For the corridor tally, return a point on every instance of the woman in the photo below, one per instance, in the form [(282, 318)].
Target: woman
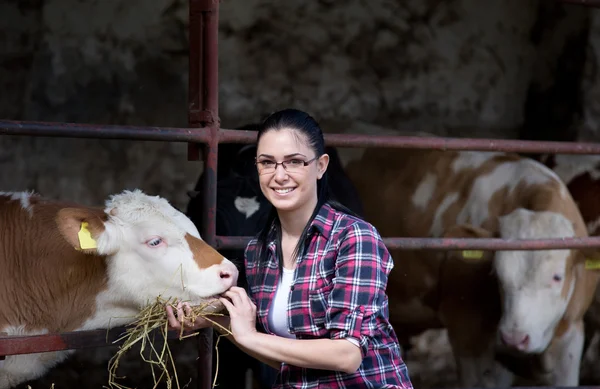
[(316, 275)]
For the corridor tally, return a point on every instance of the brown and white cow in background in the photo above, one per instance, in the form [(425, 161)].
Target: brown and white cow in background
[(529, 302), (67, 267), (581, 174)]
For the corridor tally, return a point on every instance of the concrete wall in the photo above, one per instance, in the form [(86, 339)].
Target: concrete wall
[(461, 67), (490, 68)]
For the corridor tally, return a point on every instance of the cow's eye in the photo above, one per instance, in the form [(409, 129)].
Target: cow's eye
[(557, 278), (154, 242)]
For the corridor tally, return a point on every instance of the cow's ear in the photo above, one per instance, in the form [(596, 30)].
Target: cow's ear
[(469, 231), (81, 227)]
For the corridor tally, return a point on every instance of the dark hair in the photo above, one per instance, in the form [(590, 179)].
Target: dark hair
[(306, 125)]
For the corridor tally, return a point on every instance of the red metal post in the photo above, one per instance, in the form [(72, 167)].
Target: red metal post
[(203, 93), (204, 112)]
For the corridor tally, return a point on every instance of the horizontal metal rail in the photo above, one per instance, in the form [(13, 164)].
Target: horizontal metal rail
[(586, 3), (203, 135), (543, 387), (26, 344), (77, 130), (496, 244)]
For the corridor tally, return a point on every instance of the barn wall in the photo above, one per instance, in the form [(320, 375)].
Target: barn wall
[(499, 68), (460, 67)]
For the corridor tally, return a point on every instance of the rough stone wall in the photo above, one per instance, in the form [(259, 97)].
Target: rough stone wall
[(115, 62), (458, 67), (589, 123), (429, 64)]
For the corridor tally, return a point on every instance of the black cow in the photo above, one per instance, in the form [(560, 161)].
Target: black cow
[(241, 211)]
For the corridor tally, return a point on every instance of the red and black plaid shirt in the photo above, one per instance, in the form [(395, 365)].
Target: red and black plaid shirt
[(338, 291)]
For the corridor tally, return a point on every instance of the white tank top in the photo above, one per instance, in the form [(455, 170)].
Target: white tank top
[(278, 311)]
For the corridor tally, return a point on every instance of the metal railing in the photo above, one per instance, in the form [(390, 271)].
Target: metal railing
[(204, 131)]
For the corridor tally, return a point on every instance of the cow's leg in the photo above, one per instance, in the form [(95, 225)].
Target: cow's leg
[(564, 355), (475, 358), (21, 368), (470, 310)]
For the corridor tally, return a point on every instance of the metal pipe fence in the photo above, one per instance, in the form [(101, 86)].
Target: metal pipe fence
[(204, 129)]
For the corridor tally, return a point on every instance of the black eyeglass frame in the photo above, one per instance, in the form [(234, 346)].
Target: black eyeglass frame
[(282, 163)]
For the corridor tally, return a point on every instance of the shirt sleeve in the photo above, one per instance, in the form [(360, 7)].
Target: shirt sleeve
[(361, 274), (250, 264)]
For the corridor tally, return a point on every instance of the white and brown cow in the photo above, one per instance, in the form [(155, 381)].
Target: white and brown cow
[(581, 174), (68, 267), (528, 302)]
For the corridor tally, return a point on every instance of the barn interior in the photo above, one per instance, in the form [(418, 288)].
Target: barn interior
[(526, 70)]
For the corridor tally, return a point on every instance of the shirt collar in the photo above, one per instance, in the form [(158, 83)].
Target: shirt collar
[(322, 223)]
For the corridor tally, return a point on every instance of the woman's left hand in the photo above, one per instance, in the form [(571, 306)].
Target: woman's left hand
[(242, 313)]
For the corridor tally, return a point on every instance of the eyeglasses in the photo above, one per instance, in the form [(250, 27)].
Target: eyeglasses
[(294, 165)]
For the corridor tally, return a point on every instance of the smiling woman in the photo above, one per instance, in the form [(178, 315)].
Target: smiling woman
[(317, 275)]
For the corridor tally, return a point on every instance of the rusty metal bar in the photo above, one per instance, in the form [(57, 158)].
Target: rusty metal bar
[(14, 345), (544, 387), (441, 143), (434, 143), (200, 132), (204, 113), (239, 242), (77, 130), (585, 3)]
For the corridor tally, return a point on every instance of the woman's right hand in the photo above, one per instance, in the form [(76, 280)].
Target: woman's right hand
[(176, 318)]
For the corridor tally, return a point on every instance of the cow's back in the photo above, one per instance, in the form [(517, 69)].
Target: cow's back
[(44, 280), (423, 193)]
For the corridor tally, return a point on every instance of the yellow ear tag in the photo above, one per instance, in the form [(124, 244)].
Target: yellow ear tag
[(85, 237), (472, 254), (592, 263)]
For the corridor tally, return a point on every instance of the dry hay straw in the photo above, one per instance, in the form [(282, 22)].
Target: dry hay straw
[(150, 321)]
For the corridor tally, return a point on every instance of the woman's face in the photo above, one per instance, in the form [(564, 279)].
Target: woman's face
[(293, 186)]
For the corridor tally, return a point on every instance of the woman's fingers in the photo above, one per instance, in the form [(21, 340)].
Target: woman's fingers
[(177, 318), (173, 322), (236, 297)]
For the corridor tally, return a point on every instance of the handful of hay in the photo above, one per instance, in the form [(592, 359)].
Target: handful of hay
[(150, 321)]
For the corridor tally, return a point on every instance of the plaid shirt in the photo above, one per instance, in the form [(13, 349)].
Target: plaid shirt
[(338, 291)]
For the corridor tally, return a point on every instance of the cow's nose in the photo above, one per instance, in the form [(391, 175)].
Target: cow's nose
[(229, 275), (515, 339)]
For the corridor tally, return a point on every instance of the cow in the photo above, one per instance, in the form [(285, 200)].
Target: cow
[(69, 267), (581, 174), (241, 211), (497, 306)]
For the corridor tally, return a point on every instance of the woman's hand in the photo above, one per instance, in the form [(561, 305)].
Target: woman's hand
[(176, 318), (242, 313)]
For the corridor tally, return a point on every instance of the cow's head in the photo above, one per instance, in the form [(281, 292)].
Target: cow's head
[(535, 285), (152, 249)]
